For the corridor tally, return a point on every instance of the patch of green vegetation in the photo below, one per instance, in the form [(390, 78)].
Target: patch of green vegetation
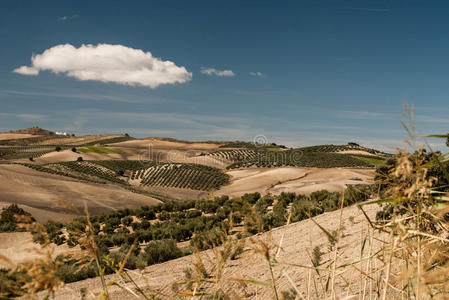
[(272, 148), (98, 149), (238, 144), (118, 139), (371, 160)]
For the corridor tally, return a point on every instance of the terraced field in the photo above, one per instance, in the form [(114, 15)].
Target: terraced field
[(234, 155), (298, 158), (323, 156), (341, 148), (189, 176), (18, 152), (136, 173)]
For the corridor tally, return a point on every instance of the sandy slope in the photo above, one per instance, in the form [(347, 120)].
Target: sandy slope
[(19, 247), (76, 140), (292, 179), (161, 143), (15, 136), (361, 152), (166, 154), (22, 185), (42, 215), (298, 241), (69, 155)]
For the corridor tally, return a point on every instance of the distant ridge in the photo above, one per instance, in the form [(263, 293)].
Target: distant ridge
[(33, 131)]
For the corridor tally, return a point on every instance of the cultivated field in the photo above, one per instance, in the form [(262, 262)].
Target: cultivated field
[(293, 179), (50, 192)]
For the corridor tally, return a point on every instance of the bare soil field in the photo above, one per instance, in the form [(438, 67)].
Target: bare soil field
[(76, 140), (360, 152), (68, 155), (178, 193), (22, 185), (163, 143), (15, 136), (42, 215), (19, 247), (293, 179), (294, 244), (174, 155)]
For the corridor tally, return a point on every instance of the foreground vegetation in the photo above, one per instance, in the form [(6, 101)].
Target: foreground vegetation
[(151, 234)]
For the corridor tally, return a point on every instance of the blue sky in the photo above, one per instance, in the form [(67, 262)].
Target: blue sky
[(298, 72)]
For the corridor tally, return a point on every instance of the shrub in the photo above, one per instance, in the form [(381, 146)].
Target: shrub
[(331, 202), (193, 214), (160, 251), (206, 206), (11, 283), (303, 206), (279, 213), (221, 200), (73, 149), (251, 198), (141, 261), (71, 272), (206, 240), (163, 216), (127, 220), (357, 193), (263, 203), (8, 221), (79, 158)]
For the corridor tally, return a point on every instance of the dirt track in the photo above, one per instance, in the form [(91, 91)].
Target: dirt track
[(293, 179)]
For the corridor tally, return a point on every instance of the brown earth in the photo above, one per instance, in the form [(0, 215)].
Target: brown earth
[(361, 152), (15, 136), (77, 140), (164, 143), (69, 155), (293, 179), (22, 185), (19, 247)]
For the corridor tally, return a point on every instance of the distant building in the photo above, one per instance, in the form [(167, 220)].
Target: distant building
[(61, 133)]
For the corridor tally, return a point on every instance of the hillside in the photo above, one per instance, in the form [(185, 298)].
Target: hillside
[(153, 212), (292, 255), (293, 180), (22, 185), (165, 168)]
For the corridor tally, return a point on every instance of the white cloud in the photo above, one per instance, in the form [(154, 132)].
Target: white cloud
[(65, 18), (24, 70), (258, 74), (107, 63), (221, 73)]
